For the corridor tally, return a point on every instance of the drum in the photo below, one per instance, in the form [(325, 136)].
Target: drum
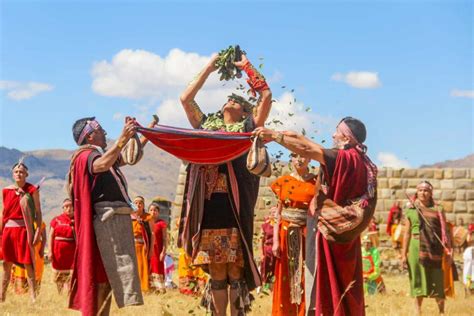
[(460, 236), (398, 234)]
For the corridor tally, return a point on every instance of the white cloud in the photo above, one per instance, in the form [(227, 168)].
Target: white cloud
[(462, 93), (23, 90), (158, 81), (359, 79), (145, 76), (118, 116), (139, 74), (390, 160), (296, 116)]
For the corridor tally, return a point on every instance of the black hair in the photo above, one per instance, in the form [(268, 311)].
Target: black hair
[(78, 126), (20, 164), (357, 128)]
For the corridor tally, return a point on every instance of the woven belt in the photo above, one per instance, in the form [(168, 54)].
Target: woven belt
[(64, 238), (139, 240), (15, 223), (295, 216)]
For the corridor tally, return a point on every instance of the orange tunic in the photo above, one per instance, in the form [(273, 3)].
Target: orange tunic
[(141, 248), (292, 193)]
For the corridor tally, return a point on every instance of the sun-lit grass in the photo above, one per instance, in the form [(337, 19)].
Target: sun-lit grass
[(396, 302)]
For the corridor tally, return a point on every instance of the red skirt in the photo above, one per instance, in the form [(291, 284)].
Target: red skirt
[(63, 257), (157, 266), (15, 246)]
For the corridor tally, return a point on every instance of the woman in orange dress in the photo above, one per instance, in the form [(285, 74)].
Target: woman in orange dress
[(294, 193), (142, 224)]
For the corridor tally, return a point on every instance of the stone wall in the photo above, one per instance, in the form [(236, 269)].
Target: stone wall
[(453, 188)]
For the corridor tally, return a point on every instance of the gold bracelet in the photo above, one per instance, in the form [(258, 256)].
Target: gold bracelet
[(119, 144), (279, 137)]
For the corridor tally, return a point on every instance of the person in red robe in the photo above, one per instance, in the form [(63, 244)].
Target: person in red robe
[(343, 205), (157, 261), (21, 208), (105, 259), (62, 244), (267, 263)]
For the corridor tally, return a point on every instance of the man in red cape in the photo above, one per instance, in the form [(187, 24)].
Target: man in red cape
[(343, 206), (105, 258)]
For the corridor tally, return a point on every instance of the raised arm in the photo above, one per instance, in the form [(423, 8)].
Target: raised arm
[(193, 112), (104, 162), (257, 83), (294, 142)]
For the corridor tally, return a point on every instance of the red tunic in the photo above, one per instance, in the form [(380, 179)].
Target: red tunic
[(339, 282), (63, 242), (88, 269), (158, 266), (15, 246)]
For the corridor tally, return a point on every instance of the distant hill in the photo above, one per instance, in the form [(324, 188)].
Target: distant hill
[(466, 162), (156, 174)]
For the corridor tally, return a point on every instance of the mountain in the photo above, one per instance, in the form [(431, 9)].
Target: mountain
[(156, 174), (466, 162)]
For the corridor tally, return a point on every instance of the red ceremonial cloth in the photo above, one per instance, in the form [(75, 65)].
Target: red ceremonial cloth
[(198, 146), (339, 282), (88, 269), (63, 250), (15, 245), (158, 266)]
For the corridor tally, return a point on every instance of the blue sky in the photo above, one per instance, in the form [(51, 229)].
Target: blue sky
[(404, 68)]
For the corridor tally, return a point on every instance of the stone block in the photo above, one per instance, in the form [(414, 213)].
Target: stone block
[(470, 207), (448, 195), (447, 184), (438, 174), (470, 195), (437, 194), (425, 173), (181, 179), (459, 173), (384, 193), (464, 184), (382, 183), (396, 173), (461, 195), (448, 173), (400, 194), (180, 190), (460, 207), (395, 183), (451, 217), (380, 206), (435, 183), (409, 173), (382, 173), (447, 206), (412, 183), (388, 204), (410, 192)]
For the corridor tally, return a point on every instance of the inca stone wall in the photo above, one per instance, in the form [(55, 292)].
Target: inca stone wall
[(453, 188)]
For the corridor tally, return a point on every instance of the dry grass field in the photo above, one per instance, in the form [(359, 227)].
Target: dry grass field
[(396, 302)]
